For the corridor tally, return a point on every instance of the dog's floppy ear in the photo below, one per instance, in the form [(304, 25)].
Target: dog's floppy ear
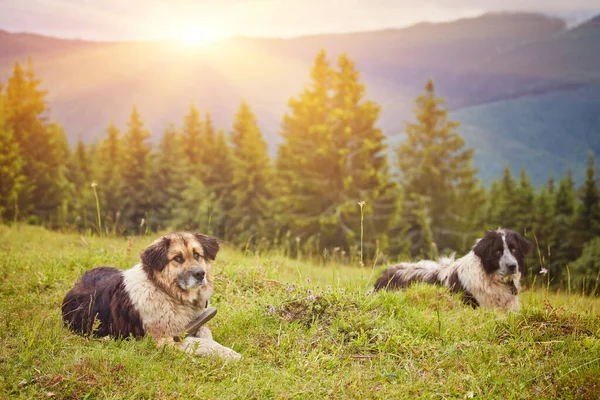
[(210, 245), (156, 256), (485, 249), (525, 247)]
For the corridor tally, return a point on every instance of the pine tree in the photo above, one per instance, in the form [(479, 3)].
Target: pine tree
[(551, 186), (421, 238), (562, 249), (251, 183), (304, 191), (216, 159), (198, 209), (137, 197), (43, 147), (565, 196), (587, 215), (332, 158), (11, 165), (52, 183), (110, 178), (504, 211), (217, 173), (169, 176), (363, 165), (586, 269), (543, 224), (81, 206), (192, 139), (524, 204), (435, 165)]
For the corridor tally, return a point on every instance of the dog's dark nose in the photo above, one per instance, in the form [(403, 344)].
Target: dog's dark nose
[(198, 273), (512, 268)]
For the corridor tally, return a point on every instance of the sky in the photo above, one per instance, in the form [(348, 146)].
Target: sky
[(156, 19)]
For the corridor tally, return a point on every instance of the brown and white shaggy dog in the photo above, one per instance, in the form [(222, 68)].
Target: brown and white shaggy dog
[(489, 275), (158, 297)]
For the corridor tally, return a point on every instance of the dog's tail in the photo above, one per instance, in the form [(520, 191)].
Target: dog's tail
[(404, 274)]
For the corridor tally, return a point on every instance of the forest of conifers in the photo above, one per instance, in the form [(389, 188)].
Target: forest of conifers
[(334, 190)]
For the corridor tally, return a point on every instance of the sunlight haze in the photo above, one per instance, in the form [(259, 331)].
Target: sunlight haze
[(159, 19)]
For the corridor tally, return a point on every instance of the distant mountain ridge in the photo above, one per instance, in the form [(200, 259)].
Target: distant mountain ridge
[(498, 72)]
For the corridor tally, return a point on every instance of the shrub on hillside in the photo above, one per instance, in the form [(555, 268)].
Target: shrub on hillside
[(586, 268)]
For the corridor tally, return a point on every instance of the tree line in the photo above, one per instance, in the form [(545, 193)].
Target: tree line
[(332, 190)]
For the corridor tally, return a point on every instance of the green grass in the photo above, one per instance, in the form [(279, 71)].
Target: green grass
[(343, 343)]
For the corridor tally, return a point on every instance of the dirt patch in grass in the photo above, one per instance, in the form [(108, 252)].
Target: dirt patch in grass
[(550, 324), (315, 308), (82, 378)]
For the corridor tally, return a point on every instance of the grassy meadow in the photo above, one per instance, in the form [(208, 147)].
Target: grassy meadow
[(304, 331)]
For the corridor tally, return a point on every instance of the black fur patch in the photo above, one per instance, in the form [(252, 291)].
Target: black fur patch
[(210, 245), (389, 279), (454, 283), (522, 246), (456, 286), (486, 249), (99, 297), (156, 256)]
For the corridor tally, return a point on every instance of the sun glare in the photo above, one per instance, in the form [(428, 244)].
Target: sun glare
[(196, 35)]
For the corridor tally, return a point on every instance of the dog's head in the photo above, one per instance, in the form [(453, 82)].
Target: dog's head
[(181, 263), (503, 251)]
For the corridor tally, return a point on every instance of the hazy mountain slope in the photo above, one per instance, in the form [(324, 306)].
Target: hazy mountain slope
[(546, 134), (90, 82), (484, 66)]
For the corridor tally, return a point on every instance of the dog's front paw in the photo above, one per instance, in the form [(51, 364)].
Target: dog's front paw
[(230, 354), (206, 347)]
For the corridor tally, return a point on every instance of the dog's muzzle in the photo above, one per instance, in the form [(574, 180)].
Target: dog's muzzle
[(191, 279)]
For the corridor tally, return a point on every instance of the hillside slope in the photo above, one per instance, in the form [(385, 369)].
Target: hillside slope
[(304, 331)]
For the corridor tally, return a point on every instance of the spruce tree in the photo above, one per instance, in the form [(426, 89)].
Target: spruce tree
[(305, 192), (551, 186), (543, 224), (217, 173), (137, 196), (332, 158), (587, 215), (524, 204), (81, 206), (192, 138), (504, 211), (198, 209), (251, 181), (565, 196), (216, 159), (170, 178), (111, 165), (362, 161), (421, 238), (435, 165), (563, 250), (43, 147), (586, 269), (11, 166)]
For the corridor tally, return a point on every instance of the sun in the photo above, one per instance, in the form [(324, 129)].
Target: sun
[(196, 35)]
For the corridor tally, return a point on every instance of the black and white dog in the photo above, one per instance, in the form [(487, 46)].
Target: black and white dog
[(489, 275)]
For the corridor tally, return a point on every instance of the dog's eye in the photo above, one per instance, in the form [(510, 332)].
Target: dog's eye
[(178, 259), (499, 252), (513, 250), (196, 256)]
